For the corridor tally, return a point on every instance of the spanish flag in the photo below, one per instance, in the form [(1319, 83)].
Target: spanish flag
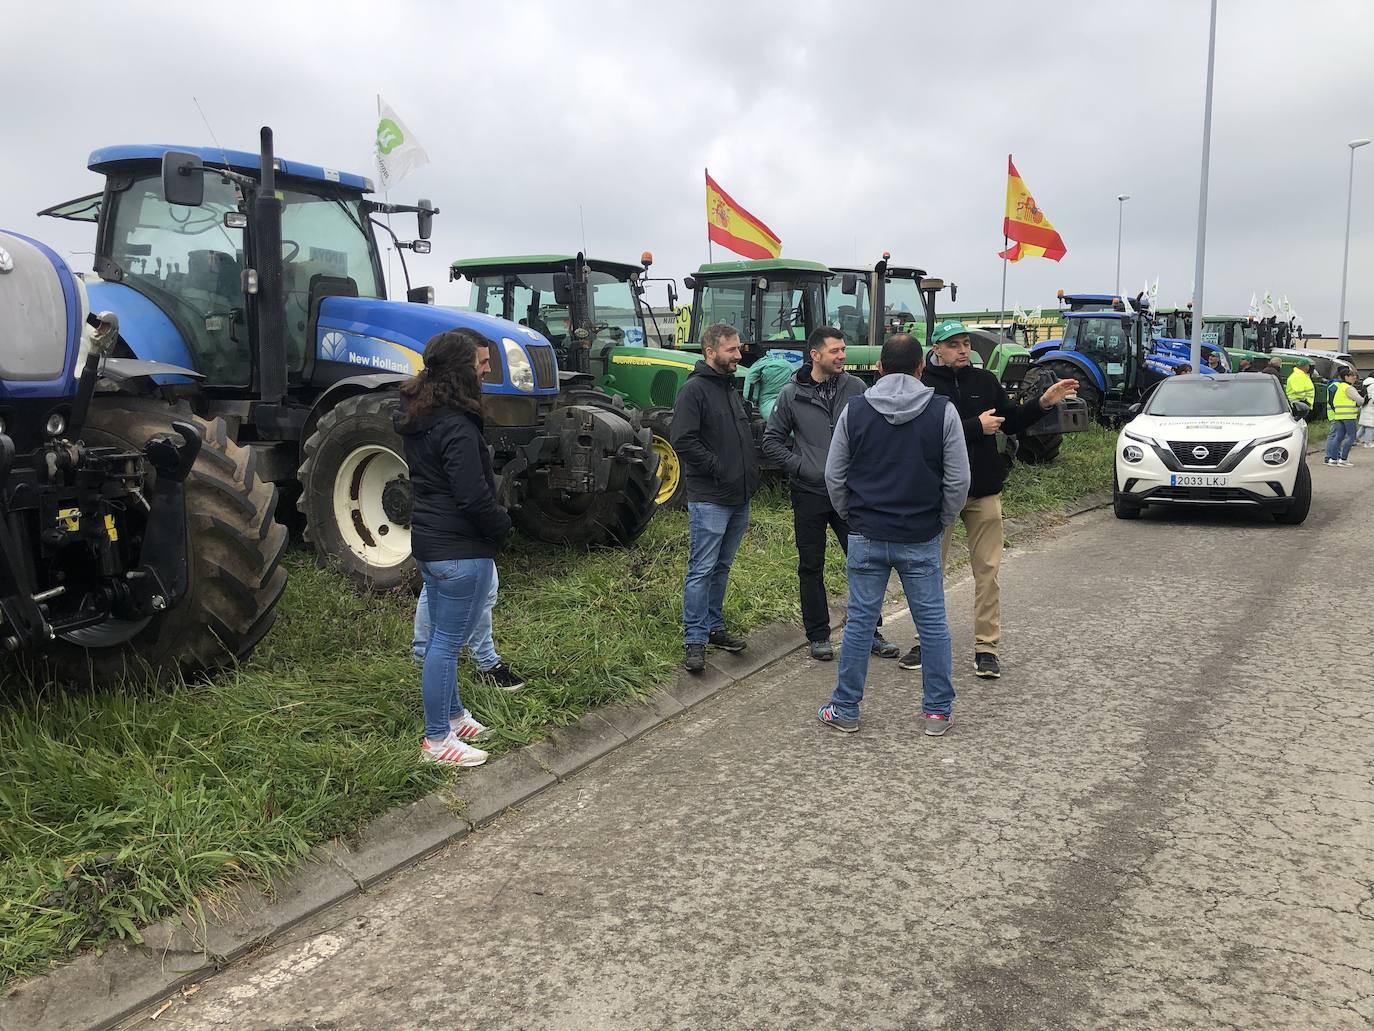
[(1033, 234), (731, 226)]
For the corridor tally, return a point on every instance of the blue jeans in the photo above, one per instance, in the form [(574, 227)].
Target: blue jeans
[(479, 642), (716, 531), (1365, 434), (458, 589), (1342, 437), (918, 566)]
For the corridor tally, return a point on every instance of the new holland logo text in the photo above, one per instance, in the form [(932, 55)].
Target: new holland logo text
[(357, 350)]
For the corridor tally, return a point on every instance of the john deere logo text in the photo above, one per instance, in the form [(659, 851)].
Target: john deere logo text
[(389, 136)]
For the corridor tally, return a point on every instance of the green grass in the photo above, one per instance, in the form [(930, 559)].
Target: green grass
[(119, 807)]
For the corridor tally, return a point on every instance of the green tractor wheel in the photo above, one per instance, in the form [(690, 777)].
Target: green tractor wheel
[(672, 490)]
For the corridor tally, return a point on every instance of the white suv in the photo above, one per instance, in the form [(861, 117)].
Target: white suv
[(1214, 440)]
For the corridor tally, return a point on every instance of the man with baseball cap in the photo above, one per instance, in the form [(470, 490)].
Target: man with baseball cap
[(983, 409), (1299, 385)]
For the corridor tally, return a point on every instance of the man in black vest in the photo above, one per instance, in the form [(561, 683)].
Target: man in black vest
[(798, 440), (898, 471)]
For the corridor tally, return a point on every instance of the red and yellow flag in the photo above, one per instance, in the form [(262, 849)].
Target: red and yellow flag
[(1033, 235), (731, 226)]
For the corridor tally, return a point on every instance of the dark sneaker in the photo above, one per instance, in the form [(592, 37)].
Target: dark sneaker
[(727, 642), (883, 648), (827, 715), (695, 660), (501, 676), (912, 659), (822, 651), (985, 665), (935, 724)]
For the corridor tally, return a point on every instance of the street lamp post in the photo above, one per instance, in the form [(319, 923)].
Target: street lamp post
[(1342, 330), (1121, 199), (1200, 261)]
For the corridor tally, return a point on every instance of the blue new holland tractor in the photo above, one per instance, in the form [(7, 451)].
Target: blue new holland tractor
[(263, 277), (135, 535)]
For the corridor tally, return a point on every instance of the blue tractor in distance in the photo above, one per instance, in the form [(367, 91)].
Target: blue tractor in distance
[(260, 280)]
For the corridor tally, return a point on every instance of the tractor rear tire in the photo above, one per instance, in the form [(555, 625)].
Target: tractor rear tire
[(234, 552), (672, 490), (355, 493)]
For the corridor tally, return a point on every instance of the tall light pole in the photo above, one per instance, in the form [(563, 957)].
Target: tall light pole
[(1199, 310), (1342, 330), (1121, 199)]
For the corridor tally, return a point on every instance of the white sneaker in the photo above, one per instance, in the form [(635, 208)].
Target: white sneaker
[(1344, 462), (451, 752), (465, 728)]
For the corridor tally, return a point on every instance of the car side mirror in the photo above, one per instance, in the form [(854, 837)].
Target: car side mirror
[(849, 284), (183, 181), (1300, 410), (424, 218), (1132, 411), (562, 289)]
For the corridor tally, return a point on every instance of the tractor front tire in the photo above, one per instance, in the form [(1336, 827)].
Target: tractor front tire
[(234, 552), (355, 493), (672, 489)]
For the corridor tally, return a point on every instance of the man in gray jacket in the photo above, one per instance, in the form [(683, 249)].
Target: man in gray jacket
[(898, 471), (798, 440)]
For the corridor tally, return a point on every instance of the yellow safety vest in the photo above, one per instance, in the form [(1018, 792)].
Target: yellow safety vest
[(1341, 405), (1299, 387)]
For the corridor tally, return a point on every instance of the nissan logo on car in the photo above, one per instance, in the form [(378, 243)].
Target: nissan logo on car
[(1200, 452)]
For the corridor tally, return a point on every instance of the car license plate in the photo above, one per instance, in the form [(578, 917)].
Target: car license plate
[(1197, 480)]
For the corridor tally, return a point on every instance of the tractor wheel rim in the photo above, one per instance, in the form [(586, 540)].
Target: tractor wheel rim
[(359, 509), (669, 469)]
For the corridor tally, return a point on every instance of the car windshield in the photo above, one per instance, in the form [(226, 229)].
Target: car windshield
[(1212, 397)]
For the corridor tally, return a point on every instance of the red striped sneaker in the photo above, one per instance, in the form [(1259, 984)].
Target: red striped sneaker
[(452, 752), (468, 729)]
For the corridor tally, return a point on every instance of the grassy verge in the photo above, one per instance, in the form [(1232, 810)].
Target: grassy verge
[(118, 807)]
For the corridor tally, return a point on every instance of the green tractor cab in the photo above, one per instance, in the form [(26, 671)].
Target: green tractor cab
[(903, 297)]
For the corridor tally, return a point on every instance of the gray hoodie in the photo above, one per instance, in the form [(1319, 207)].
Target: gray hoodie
[(900, 398)]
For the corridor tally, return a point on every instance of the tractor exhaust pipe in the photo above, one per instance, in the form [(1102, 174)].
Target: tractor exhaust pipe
[(269, 305)]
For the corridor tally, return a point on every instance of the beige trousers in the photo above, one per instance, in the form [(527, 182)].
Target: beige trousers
[(983, 521)]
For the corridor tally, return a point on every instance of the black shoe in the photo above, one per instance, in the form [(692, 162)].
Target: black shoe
[(822, 651), (985, 665), (912, 659), (695, 660), (501, 676), (727, 642), (883, 648)]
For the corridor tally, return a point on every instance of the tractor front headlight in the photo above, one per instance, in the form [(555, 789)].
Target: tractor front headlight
[(518, 365)]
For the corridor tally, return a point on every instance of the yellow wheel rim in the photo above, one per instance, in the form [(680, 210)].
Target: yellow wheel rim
[(669, 469)]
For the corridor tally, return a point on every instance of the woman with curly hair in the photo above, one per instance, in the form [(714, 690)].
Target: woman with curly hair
[(457, 526)]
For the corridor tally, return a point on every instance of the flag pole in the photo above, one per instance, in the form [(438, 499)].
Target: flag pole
[(386, 196), (710, 254), (1002, 308)]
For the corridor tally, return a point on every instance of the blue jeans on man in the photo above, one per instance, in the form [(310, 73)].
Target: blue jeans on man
[(1342, 437), (716, 532), (870, 564), (479, 641), (458, 590)]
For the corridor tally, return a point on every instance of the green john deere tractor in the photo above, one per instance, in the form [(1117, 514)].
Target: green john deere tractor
[(902, 295)]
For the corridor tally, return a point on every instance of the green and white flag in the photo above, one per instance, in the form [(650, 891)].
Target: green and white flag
[(1254, 305), (398, 152)]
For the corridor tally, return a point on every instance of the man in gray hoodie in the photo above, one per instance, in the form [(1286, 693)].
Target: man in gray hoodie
[(798, 440), (898, 472)]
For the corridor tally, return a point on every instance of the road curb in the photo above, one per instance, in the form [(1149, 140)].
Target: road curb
[(98, 991)]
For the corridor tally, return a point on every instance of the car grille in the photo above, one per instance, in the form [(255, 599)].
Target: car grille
[(1216, 450), (545, 366), (1201, 494)]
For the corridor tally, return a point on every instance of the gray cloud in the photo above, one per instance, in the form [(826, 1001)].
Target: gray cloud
[(849, 128)]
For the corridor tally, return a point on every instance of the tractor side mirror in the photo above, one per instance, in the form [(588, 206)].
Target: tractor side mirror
[(849, 284), (424, 218), (672, 295), (182, 180), (420, 295), (690, 282), (562, 289), (953, 292)]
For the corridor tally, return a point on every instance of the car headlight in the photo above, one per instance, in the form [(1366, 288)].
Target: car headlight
[(1140, 437), (1275, 456), (1132, 453), (518, 363)]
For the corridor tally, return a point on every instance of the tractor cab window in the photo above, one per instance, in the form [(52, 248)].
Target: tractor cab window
[(1251, 337), (1103, 339), (849, 312), (1212, 334), (789, 310), (526, 298), (614, 312), (725, 301), (189, 264), (902, 306), (321, 235)]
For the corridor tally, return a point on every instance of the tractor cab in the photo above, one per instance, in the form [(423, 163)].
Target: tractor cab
[(1114, 343), (1091, 302), (1173, 323), (870, 303), (774, 303)]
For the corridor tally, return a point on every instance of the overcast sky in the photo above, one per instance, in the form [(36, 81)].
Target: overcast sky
[(849, 128)]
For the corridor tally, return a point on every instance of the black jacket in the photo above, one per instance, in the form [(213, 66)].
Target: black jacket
[(973, 391), (454, 513), (714, 440), (803, 421)]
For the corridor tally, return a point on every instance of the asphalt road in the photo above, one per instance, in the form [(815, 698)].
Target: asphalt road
[(1162, 816)]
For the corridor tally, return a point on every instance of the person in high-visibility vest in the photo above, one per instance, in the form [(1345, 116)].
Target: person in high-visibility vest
[(1345, 408), (1299, 385)]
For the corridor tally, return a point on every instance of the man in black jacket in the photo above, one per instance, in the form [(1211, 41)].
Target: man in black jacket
[(714, 441), (798, 439), (983, 408)]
